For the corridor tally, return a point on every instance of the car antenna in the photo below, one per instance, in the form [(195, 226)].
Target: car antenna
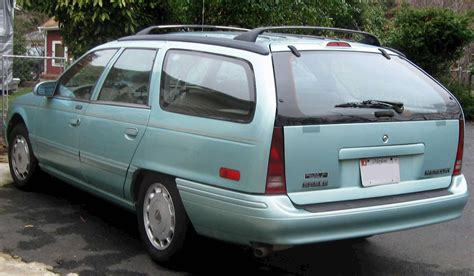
[(384, 53), (294, 50)]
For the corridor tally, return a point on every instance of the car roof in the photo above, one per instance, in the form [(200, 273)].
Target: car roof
[(264, 42)]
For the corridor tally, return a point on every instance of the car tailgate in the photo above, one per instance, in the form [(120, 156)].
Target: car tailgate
[(323, 162)]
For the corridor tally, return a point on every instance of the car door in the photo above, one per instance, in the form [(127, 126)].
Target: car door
[(116, 119), (61, 115)]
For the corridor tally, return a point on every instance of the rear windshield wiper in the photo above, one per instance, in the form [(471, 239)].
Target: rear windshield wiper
[(397, 106)]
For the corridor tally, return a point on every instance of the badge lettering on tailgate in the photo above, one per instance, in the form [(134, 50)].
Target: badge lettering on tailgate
[(437, 171), (316, 175), (314, 184)]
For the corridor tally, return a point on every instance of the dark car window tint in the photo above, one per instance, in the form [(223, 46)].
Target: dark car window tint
[(208, 85), (79, 81), (129, 78), (311, 87)]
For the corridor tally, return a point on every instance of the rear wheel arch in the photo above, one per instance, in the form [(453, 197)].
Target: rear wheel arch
[(138, 178)]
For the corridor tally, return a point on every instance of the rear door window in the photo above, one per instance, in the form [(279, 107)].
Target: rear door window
[(208, 85), (129, 79), (311, 87)]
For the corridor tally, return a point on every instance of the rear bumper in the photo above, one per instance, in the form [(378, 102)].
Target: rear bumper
[(243, 218)]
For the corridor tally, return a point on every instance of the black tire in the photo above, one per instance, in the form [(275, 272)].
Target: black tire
[(169, 252), (25, 179)]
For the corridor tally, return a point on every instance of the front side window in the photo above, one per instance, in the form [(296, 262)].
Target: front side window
[(129, 78), (78, 82), (207, 85)]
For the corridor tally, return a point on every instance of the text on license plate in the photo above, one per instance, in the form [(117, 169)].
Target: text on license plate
[(378, 171)]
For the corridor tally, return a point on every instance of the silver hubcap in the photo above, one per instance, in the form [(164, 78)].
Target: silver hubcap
[(20, 157), (159, 216)]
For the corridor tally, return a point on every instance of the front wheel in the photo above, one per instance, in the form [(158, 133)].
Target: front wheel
[(23, 164), (163, 223)]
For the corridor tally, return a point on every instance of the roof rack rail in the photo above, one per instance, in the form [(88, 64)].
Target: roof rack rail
[(252, 35), (202, 27)]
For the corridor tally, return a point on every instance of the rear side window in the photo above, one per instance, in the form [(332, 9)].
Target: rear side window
[(129, 79), (78, 82), (312, 88), (207, 85)]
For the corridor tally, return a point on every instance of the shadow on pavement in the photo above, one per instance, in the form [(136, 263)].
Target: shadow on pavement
[(74, 231)]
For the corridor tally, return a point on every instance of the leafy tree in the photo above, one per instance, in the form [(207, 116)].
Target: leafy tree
[(23, 24), (375, 21), (250, 14), (433, 38), (87, 23)]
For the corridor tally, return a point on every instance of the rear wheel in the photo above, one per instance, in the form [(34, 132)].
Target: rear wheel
[(23, 164), (163, 223)]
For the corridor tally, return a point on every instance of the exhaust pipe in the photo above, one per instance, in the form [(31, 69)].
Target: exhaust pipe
[(262, 251)]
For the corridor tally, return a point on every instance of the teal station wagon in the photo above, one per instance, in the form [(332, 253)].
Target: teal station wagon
[(255, 137)]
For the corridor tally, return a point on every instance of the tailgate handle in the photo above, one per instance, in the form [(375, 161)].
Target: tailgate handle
[(369, 152)]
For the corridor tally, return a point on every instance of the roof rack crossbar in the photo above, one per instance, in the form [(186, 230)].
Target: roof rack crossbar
[(252, 35), (202, 27)]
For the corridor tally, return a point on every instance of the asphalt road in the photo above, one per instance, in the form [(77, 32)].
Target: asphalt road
[(75, 232)]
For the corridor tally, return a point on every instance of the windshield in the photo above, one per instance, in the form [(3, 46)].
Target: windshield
[(316, 87)]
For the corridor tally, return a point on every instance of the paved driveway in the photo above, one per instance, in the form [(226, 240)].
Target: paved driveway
[(75, 232)]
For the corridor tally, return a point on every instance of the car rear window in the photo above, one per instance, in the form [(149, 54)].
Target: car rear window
[(208, 85), (310, 88)]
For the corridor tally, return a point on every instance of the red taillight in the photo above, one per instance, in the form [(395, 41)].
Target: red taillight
[(458, 164), (338, 44), (229, 174), (276, 165)]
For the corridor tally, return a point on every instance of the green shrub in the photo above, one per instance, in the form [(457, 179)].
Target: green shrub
[(465, 97), (431, 37)]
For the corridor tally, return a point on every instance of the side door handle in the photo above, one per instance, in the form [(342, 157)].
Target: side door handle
[(74, 122), (131, 133)]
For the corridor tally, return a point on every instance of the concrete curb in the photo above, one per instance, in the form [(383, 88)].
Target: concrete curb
[(5, 177), (15, 266)]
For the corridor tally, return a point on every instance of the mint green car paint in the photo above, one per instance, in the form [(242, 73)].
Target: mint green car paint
[(196, 148), (57, 137), (338, 154), (242, 218), (25, 107), (109, 137), (106, 148), (111, 144), (120, 201), (369, 152)]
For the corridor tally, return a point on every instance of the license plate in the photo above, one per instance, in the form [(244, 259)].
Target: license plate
[(379, 171)]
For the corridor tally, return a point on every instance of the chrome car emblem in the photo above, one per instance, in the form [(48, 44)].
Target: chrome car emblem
[(385, 138)]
